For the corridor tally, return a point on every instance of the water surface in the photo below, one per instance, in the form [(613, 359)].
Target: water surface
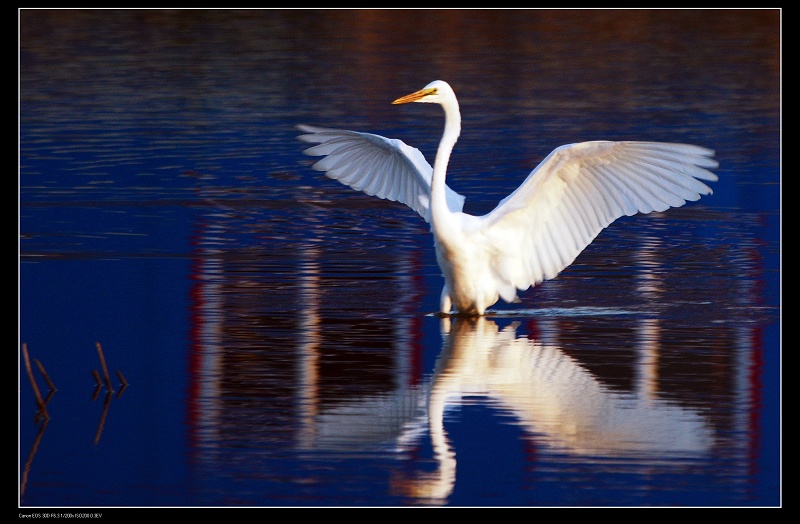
[(276, 327)]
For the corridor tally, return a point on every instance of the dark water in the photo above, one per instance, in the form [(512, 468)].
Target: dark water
[(275, 327)]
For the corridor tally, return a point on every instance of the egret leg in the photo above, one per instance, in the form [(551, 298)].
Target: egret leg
[(445, 304)]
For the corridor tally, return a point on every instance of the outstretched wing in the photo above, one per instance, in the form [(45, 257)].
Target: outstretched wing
[(578, 190), (378, 166)]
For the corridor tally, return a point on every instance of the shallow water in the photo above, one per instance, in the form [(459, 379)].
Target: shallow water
[(276, 327)]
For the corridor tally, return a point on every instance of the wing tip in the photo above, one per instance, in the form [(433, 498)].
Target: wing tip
[(305, 128), (310, 133)]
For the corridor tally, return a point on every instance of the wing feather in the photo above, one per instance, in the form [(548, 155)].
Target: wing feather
[(378, 166), (615, 191), (592, 185), (572, 235), (577, 191)]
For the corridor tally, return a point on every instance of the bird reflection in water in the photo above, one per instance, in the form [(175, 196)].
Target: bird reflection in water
[(553, 398)]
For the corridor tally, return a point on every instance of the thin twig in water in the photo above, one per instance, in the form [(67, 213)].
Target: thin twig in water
[(106, 376), (121, 378), (97, 379), (124, 383), (106, 404), (45, 375), (39, 401), (32, 454)]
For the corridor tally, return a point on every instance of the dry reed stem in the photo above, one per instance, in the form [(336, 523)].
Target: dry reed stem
[(45, 375), (121, 378), (36, 393), (103, 366)]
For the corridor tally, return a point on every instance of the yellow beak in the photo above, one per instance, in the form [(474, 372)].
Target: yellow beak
[(415, 96)]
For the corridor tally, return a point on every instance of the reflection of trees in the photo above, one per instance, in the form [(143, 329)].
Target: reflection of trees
[(581, 380)]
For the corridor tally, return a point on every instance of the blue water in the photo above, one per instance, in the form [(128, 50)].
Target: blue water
[(275, 328)]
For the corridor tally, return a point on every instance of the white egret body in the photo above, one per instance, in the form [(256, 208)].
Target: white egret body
[(537, 230)]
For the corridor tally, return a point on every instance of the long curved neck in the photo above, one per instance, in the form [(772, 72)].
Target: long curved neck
[(452, 129)]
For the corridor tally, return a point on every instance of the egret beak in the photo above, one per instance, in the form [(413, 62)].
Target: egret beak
[(415, 96)]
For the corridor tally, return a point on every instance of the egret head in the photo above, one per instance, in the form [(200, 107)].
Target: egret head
[(437, 92)]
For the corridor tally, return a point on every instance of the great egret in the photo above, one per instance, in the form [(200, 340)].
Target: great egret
[(537, 230)]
